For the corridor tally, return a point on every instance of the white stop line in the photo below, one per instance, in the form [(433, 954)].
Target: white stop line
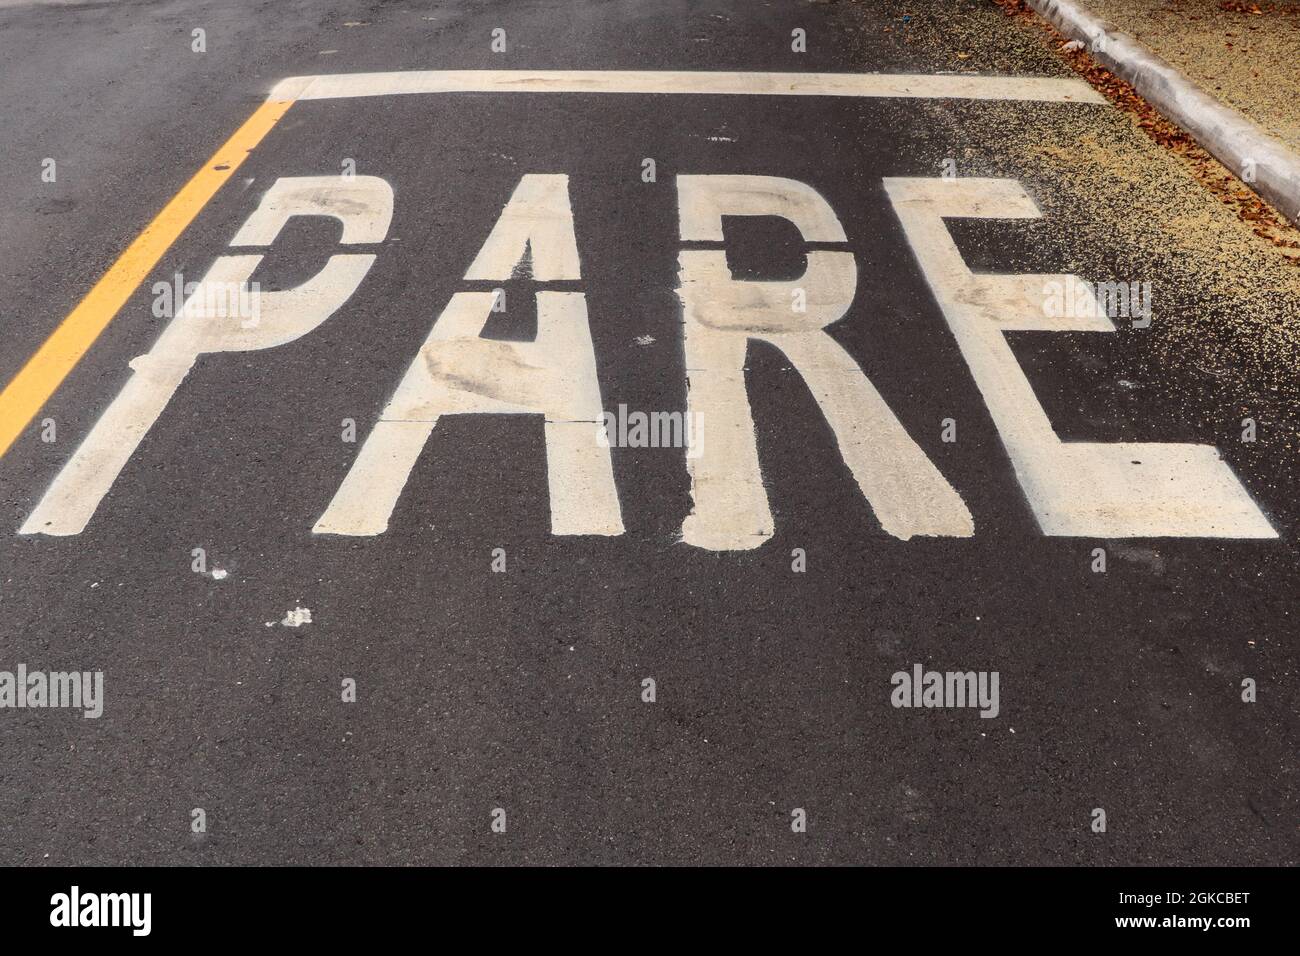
[(1073, 488)]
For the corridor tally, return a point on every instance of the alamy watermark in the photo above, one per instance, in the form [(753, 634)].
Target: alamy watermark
[(922, 688), (130, 910), (211, 300), (79, 690), (624, 429), (1079, 299)]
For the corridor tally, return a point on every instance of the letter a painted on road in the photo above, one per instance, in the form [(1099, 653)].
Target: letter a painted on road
[(458, 372)]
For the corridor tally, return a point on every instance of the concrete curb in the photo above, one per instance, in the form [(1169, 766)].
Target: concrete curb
[(1262, 161)]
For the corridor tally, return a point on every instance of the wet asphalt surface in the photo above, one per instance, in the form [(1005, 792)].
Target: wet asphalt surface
[(522, 690)]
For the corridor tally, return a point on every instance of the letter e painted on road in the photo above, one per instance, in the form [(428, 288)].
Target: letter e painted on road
[(1088, 489)]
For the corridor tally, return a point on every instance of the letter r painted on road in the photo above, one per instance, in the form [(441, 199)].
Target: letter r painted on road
[(1089, 489), (205, 324), (722, 314)]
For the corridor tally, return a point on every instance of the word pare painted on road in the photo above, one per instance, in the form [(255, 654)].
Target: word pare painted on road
[(1091, 489)]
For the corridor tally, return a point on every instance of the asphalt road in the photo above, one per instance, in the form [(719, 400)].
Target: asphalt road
[(523, 691)]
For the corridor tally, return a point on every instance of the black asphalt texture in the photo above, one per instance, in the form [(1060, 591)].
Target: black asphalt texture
[(523, 690)]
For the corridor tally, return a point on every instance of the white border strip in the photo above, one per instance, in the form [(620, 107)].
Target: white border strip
[(1041, 89)]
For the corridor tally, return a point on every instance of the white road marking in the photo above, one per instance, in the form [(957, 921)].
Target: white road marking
[(1087, 489), (538, 220), (721, 315), (457, 372), (702, 201), (364, 204), (1074, 488), (204, 325), (907, 85)]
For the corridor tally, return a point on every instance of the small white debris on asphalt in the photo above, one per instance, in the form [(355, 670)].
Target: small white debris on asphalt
[(297, 617)]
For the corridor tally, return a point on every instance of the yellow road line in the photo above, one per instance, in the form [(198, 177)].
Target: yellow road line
[(45, 371)]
